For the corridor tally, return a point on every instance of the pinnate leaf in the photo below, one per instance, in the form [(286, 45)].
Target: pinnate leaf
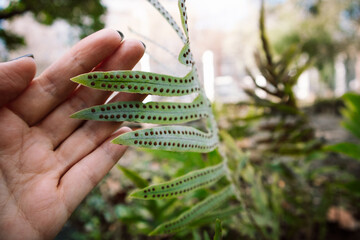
[(184, 17), (185, 56), (349, 149), (218, 230), (185, 219), (170, 138), (151, 112), (182, 185), (221, 214), (141, 82)]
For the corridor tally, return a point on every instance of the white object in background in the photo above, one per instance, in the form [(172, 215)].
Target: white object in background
[(260, 81), (340, 77), (145, 63), (209, 75), (302, 87)]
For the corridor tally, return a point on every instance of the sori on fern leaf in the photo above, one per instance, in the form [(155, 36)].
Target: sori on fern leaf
[(171, 137)]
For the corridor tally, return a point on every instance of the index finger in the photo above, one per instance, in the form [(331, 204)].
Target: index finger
[(53, 86)]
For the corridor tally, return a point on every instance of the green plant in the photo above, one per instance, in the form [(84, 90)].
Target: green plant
[(284, 179), (170, 138), (218, 230), (289, 132), (351, 114)]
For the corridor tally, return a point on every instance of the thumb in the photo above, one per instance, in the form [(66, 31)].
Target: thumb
[(15, 76)]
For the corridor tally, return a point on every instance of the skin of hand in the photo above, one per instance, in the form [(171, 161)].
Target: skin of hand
[(48, 161)]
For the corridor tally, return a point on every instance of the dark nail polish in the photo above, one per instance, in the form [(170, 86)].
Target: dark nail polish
[(143, 44), (26, 55), (121, 35)]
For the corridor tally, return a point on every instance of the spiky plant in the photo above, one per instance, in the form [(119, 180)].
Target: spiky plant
[(288, 128)]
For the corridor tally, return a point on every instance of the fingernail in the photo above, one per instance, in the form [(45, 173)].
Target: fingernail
[(26, 55), (121, 34), (143, 44)]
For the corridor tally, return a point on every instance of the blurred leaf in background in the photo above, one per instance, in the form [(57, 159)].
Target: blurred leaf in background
[(87, 15), (351, 122), (322, 31)]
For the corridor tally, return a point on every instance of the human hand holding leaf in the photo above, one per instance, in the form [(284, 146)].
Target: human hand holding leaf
[(48, 161)]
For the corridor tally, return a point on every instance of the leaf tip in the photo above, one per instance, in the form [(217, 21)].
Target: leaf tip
[(154, 232), (76, 115), (83, 114), (78, 79), (116, 141), (134, 195)]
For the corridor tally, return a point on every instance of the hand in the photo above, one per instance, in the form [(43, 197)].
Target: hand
[(49, 162)]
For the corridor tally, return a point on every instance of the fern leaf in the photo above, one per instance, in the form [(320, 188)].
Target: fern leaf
[(170, 138), (134, 177), (352, 100), (221, 214), (349, 149), (182, 185), (185, 56), (218, 230), (141, 82), (151, 112), (182, 221), (184, 17), (206, 236)]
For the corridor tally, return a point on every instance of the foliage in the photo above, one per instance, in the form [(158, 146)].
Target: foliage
[(351, 115), (285, 189), (218, 230), (86, 15), (289, 131), (11, 40), (351, 122), (323, 31)]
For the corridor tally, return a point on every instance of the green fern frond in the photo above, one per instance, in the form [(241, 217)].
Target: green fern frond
[(134, 177), (222, 214), (182, 185), (183, 17), (185, 56), (151, 112), (182, 221), (170, 138), (218, 230), (141, 82)]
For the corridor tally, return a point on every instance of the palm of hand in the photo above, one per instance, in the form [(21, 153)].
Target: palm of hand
[(49, 162), (30, 199)]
